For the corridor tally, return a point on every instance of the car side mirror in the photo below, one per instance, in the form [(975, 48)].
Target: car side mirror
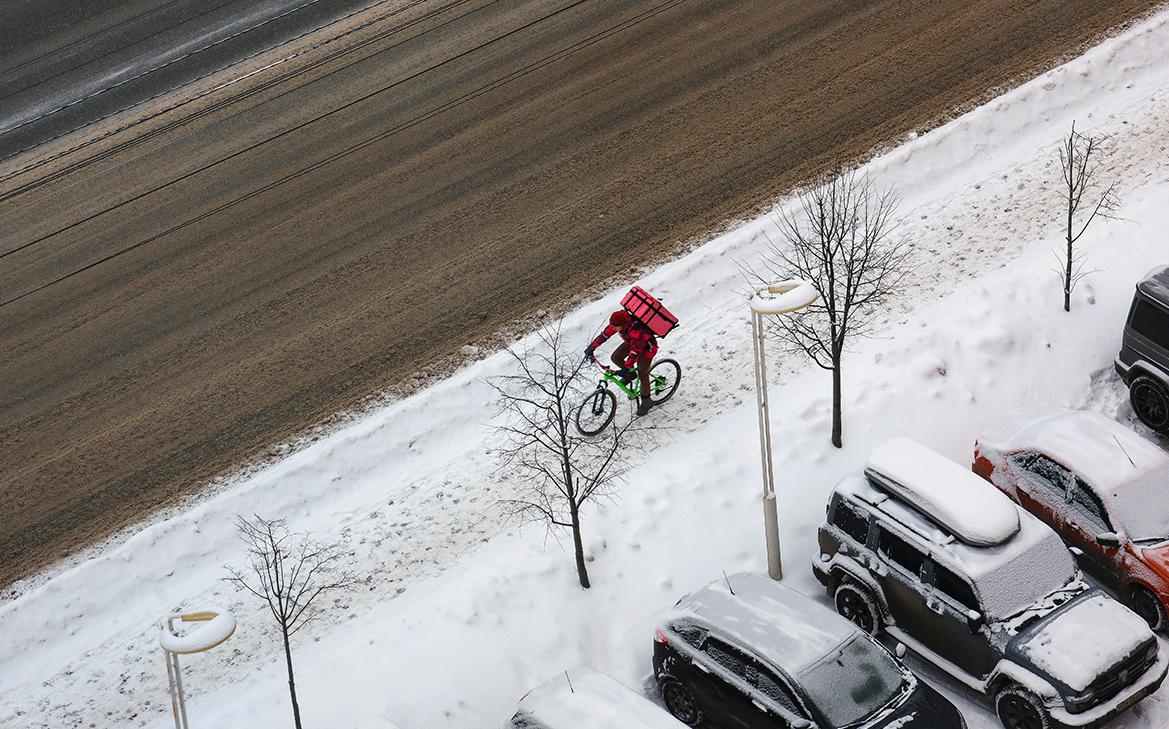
[(1108, 539), (899, 649), (973, 620)]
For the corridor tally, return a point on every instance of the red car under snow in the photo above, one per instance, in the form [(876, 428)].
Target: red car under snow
[(1103, 489)]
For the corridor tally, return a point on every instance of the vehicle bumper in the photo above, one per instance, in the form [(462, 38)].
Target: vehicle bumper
[(1122, 368), (1099, 715), (924, 709), (820, 572)]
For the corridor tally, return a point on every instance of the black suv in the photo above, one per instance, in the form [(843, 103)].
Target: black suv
[(748, 653), (1143, 362), (927, 551)]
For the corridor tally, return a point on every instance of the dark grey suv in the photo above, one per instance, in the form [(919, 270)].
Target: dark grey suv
[(925, 550), (749, 653), (1143, 362)]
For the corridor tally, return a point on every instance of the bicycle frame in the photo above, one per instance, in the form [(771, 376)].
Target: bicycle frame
[(633, 389)]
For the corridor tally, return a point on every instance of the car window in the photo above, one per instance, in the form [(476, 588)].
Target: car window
[(689, 633), (771, 687), (854, 524), (1087, 506), (954, 587), (1046, 474), (1024, 459), (900, 552), (1152, 322), (727, 657)]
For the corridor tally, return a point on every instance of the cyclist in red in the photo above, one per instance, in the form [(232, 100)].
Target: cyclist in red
[(639, 347)]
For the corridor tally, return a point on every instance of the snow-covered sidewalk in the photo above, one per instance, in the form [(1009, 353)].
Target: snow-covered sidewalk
[(461, 613)]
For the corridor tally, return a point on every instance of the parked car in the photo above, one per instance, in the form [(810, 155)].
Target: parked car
[(749, 653), (1101, 487), (1143, 362), (585, 699), (938, 558)]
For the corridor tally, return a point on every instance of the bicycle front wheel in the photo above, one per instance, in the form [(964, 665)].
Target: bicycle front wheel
[(664, 377), (596, 412)]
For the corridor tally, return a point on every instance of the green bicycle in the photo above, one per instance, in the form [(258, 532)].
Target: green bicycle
[(597, 411)]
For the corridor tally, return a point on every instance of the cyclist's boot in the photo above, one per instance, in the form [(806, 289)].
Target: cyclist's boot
[(626, 375), (643, 405)]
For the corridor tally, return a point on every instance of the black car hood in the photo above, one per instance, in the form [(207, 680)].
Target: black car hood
[(1087, 649), (924, 709)]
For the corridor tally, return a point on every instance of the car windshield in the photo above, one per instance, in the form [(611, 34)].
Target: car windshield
[(853, 681), (1140, 508)]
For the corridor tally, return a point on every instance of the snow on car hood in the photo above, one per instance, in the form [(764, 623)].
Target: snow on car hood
[(1085, 640)]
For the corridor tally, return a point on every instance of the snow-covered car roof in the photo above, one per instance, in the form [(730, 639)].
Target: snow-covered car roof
[(957, 499), (1007, 577), (780, 625), (1155, 285), (587, 699), (1129, 473)]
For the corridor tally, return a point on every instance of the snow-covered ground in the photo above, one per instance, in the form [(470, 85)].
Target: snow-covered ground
[(461, 613)]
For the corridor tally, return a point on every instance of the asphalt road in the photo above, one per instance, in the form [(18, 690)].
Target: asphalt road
[(57, 76), (173, 303)]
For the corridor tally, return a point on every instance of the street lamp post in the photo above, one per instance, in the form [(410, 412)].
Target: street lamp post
[(216, 626), (775, 299)]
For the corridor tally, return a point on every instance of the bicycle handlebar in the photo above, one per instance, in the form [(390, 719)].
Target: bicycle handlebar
[(604, 366)]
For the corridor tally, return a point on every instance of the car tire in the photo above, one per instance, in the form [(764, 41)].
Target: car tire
[(1018, 708), (1150, 401), (1145, 603), (857, 605), (682, 703)]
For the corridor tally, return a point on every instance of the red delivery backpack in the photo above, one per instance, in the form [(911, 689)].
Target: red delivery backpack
[(649, 311)]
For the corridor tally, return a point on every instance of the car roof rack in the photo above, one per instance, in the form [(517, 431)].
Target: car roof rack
[(956, 499)]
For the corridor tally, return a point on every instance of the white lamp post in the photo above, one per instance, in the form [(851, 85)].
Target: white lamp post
[(217, 626), (778, 298)]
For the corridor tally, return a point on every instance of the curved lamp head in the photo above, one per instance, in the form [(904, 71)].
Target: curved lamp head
[(783, 297), (217, 626)]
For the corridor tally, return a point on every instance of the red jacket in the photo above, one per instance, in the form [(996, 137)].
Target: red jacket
[(640, 339)]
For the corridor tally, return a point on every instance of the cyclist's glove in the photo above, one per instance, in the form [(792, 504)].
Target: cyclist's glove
[(588, 353)]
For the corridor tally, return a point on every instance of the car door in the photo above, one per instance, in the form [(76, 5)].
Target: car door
[(730, 692), (1148, 328), (1043, 488), (951, 632), (901, 580), (1087, 519), (776, 706)]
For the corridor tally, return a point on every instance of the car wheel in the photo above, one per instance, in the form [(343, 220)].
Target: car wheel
[(681, 702), (1146, 604), (1017, 708), (857, 604), (1150, 401)]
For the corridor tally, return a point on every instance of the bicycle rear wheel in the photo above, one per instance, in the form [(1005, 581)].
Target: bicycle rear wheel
[(596, 412), (664, 377)]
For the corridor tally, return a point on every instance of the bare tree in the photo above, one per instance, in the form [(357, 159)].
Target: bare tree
[(1079, 161), (560, 470), (842, 238), (288, 571)]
